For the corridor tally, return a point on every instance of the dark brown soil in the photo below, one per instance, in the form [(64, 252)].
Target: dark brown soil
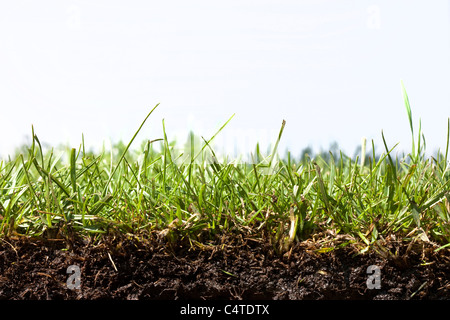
[(231, 268)]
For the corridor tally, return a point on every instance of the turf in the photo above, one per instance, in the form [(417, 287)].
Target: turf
[(197, 196)]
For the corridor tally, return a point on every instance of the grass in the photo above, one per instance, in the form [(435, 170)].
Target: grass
[(143, 190)]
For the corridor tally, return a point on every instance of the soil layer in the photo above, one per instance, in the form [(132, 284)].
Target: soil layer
[(232, 268)]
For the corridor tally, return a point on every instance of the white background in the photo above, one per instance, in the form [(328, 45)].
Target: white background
[(331, 69)]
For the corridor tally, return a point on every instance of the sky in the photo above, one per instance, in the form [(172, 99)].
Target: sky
[(331, 69)]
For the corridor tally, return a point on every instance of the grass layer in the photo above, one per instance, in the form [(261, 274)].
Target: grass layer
[(363, 201)]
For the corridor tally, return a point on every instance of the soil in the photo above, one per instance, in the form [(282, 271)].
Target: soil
[(230, 268)]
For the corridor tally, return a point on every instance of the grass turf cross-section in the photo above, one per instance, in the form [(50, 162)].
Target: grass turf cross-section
[(338, 203)]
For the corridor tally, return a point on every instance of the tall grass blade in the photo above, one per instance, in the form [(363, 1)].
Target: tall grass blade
[(126, 149), (409, 113), (448, 141)]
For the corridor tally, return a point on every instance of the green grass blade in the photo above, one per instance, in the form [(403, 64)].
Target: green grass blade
[(448, 141), (45, 174), (126, 149), (409, 113), (73, 174)]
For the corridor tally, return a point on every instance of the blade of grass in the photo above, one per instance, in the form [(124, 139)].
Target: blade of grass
[(409, 113), (45, 174), (126, 149), (448, 141), (101, 204), (388, 153)]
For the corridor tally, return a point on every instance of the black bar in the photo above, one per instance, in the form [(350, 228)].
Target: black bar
[(198, 309)]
